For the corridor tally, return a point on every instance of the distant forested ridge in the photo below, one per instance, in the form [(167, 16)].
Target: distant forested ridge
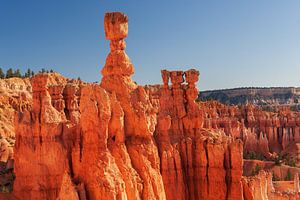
[(268, 98), (10, 73)]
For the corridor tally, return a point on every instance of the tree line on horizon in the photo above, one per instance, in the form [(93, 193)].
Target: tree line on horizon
[(10, 73)]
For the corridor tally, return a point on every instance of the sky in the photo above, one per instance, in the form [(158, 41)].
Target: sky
[(233, 43)]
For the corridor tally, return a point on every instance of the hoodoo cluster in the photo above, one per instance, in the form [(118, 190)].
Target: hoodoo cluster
[(122, 141)]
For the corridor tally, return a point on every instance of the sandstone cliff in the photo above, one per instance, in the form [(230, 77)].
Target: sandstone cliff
[(15, 95)]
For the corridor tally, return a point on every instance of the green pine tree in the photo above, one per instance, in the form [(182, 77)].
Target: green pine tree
[(2, 75), (275, 178), (9, 73), (288, 176), (256, 170), (17, 73), (28, 73)]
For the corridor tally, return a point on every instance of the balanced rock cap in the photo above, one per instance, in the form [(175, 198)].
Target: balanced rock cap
[(115, 26)]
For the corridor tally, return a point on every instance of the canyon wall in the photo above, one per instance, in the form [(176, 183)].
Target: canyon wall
[(15, 95), (262, 132)]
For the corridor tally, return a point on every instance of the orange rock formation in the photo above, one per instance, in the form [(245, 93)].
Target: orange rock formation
[(199, 163), (119, 140)]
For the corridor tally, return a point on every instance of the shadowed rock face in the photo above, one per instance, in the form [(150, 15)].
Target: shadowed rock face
[(119, 140)]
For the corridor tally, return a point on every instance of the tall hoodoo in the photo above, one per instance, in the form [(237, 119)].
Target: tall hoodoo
[(196, 162), (165, 74), (116, 30), (118, 67), (194, 117), (139, 114), (192, 77)]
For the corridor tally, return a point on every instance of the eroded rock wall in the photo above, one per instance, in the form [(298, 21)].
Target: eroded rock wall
[(199, 163), (15, 95), (262, 132), (119, 140), (94, 141)]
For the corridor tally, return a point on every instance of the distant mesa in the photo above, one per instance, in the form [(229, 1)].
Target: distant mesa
[(271, 98)]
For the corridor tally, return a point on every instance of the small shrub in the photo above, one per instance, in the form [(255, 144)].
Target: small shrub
[(275, 178), (256, 170), (251, 155), (288, 176), (278, 160)]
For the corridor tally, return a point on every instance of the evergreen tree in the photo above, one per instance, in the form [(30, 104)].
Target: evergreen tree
[(288, 176), (28, 73), (256, 170), (32, 73), (275, 178), (51, 71), (9, 73), (2, 75), (43, 70), (17, 73)]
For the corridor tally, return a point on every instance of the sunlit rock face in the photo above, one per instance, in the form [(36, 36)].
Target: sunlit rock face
[(86, 141), (265, 133), (118, 68), (15, 95), (200, 163), (138, 115), (119, 140)]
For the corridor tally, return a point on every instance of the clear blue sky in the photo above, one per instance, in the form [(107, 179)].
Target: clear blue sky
[(233, 43)]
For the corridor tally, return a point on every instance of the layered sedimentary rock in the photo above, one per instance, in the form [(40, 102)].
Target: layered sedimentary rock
[(15, 95), (262, 187), (39, 148), (199, 163), (258, 187), (92, 162), (83, 141), (119, 140), (262, 132), (139, 116)]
